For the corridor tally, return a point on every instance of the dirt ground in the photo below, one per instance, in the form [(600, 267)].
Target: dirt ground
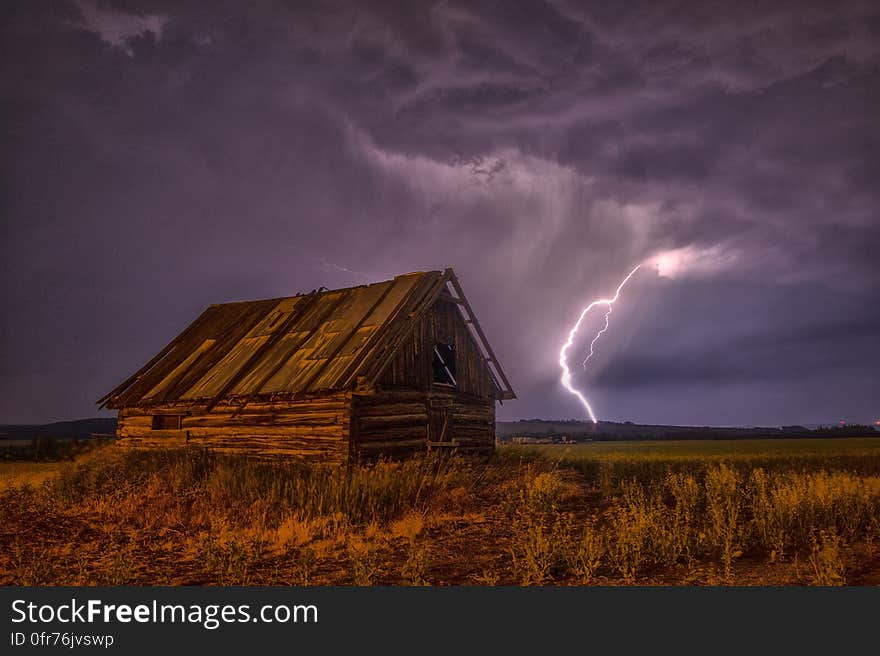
[(141, 536)]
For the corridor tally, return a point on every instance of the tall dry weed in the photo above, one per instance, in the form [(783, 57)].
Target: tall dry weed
[(588, 553), (363, 561), (827, 560), (541, 538), (723, 508)]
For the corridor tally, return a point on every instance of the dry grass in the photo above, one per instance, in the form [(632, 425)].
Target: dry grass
[(17, 474), (191, 517)]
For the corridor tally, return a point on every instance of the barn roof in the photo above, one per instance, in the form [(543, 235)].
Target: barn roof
[(327, 339)]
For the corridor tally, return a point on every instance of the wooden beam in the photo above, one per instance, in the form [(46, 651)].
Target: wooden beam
[(507, 393), (449, 298)]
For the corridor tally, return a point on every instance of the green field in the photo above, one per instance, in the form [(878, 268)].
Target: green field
[(651, 460), (717, 448)]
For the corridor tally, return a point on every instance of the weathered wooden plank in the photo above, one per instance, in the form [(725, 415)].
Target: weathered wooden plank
[(280, 432), (269, 444), (326, 416), (461, 417), (394, 433), (408, 287), (328, 456), (391, 445), (336, 400), (397, 394), (304, 421), (158, 442), (379, 421), (380, 361), (250, 442), (381, 410)]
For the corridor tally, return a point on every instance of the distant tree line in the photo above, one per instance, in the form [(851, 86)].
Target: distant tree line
[(48, 449), (849, 430), (582, 432)]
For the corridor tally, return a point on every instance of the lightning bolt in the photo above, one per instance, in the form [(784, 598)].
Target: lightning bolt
[(598, 335), (566, 372)]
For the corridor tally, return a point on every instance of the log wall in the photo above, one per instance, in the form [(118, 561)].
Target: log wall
[(315, 428), (389, 423), (396, 422), (471, 420)]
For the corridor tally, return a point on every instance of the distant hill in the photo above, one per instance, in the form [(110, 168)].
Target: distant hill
[(62, 429)]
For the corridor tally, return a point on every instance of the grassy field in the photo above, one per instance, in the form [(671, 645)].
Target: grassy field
[(16, 474), (649, 461), (751, 512), (855, 446)]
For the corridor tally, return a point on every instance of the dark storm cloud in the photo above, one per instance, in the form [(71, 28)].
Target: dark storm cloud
[(777, 357), (160, 156)]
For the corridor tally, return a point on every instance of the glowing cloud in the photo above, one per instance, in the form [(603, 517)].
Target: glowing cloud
[(694, 262)]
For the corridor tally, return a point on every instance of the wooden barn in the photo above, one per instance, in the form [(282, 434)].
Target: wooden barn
[(385, 369)]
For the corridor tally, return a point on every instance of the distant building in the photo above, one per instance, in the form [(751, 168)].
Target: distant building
[(385, 369)]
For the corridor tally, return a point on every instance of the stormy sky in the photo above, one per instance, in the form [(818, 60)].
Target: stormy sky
[(161, 156)]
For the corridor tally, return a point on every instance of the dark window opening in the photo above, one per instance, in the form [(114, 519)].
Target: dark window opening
[(166, 422), (443, 364)]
